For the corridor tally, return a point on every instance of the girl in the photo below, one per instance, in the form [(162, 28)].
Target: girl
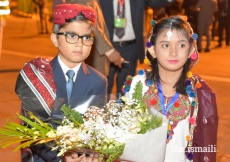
[(187, 101)]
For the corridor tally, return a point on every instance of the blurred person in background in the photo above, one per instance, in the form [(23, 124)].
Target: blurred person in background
[(215, 25), (124, 20), (175, 8), (191, 12), (206, 9), (43, 15), (224, 22)]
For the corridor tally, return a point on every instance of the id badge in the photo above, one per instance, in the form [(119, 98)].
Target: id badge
[(120, 22)]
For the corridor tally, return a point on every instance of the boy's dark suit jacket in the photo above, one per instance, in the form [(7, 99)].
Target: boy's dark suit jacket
[(88, 82)]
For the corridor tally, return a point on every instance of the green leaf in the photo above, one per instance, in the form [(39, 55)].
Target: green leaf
[(27, 144), (10, 127), (17, 126), (40, 122), (73, 115), (9, 137), (8, 143), (138, 91), (13, 139), (44, 141), (11, 132), (114, 152), (33, 124), (7, 140), (152, 124)]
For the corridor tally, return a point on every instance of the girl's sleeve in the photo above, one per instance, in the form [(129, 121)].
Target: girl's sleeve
[(205, 133)]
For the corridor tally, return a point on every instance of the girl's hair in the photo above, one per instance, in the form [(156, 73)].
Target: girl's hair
[(79, 17), (183, 27)]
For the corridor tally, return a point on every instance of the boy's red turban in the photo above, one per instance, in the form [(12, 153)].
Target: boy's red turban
[(68, 11)]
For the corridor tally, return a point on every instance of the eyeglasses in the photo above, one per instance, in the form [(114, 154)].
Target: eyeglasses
[(72, 38)]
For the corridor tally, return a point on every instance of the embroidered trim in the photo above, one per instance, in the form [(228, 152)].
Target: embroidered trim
[(126, 86), (178, 112), (37, 94), (195, 112), (53, 95), (38, 76)]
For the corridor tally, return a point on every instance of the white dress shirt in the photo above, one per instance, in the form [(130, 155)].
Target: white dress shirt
[(129, 32), (66, 68)]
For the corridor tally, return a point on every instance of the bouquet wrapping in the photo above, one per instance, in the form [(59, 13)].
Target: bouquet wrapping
[(150, 146)]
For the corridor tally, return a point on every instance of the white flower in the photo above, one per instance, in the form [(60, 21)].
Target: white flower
[(51, 134), (84, 136)]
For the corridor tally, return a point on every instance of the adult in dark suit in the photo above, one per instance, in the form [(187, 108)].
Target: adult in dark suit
[(224, 21), (191, 12), (130, 46), (44, 86)]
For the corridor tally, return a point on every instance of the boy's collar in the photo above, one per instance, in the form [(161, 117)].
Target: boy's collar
[(84, 68)]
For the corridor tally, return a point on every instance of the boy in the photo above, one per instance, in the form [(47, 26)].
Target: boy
[(66, 79)]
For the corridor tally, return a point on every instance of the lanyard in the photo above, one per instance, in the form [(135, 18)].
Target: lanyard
[(121, 3), (161, 96)]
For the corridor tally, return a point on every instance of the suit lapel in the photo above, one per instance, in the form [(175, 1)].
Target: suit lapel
[(81, 82), (59, 79), (133, 11)]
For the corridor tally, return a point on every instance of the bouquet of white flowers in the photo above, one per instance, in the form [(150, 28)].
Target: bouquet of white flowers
[(116, 130)]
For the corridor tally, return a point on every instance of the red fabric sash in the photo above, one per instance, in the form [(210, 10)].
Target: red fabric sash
[(38, 74)]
